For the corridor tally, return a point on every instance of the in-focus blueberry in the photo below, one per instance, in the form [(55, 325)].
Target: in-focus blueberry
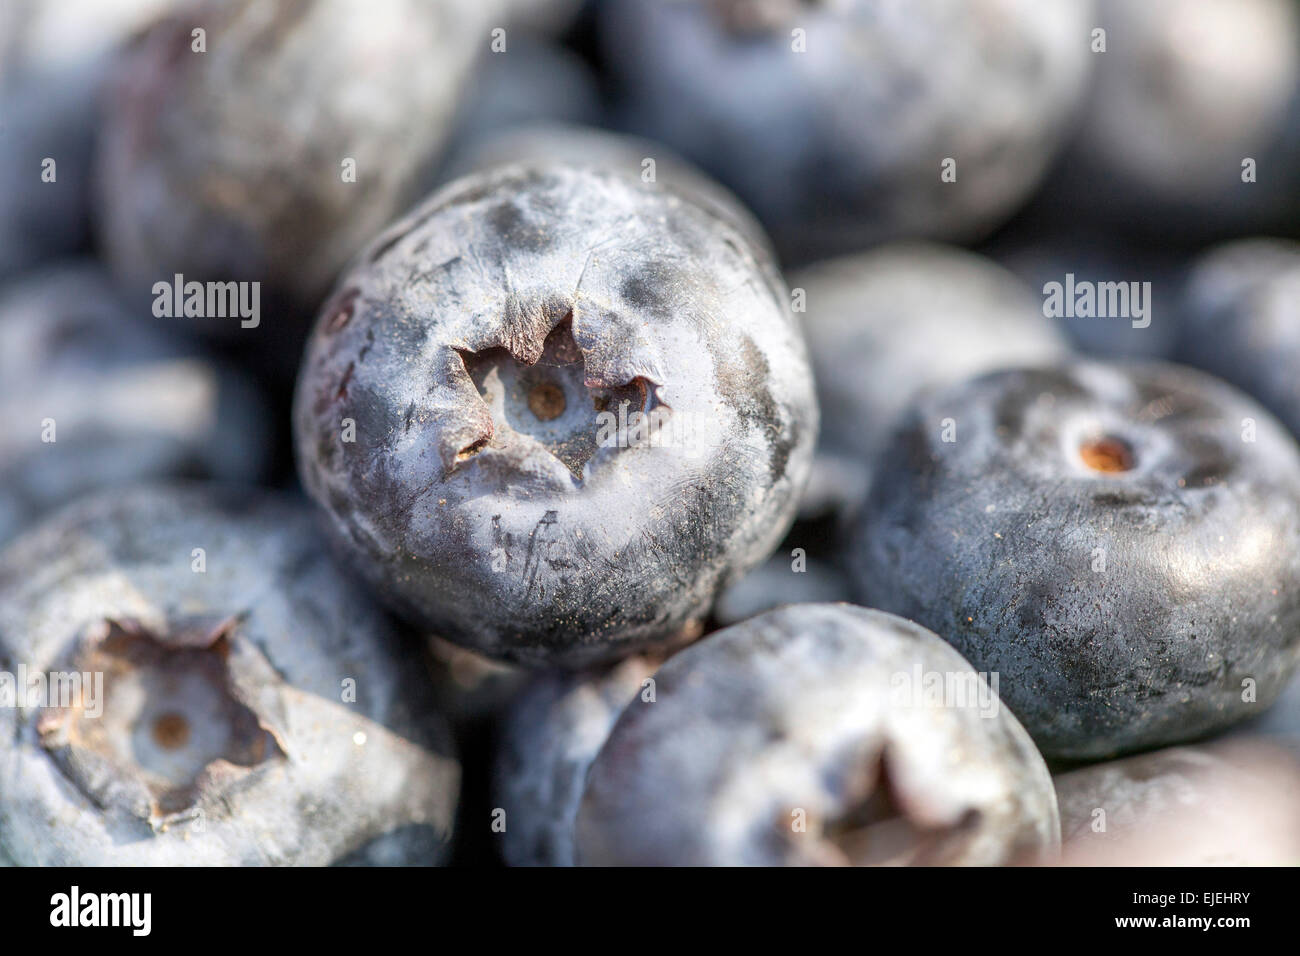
[(817, 734), (252, 706), (1121, 542), (553, 410)]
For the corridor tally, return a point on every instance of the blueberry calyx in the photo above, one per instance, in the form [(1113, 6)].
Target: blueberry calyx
[(548, 397), (170, 725)]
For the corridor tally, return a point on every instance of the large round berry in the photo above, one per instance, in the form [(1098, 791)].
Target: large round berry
[(192, 682), (817, 734), (553, 410), (1120, 542)]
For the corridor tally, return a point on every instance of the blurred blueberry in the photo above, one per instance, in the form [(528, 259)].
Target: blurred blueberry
[(551, 735), (1185, 92), (776, 582), (470, 687), (54, 58), (528, 83), (1210, 805), (886, 324), (805, 736), (276, 154), (254, 706), (1121, 542), (833, 121), (93, 399), (1241, 312)]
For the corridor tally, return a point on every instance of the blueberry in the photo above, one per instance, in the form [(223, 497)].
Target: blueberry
[(1242, 321), (231, 164), (549, 738), (885, 324), (91, 399), (1121, 542), (836, 135), (1185, 93), (808, 735), (254, 707), (54, 58), (1216, 805), (551, 412)]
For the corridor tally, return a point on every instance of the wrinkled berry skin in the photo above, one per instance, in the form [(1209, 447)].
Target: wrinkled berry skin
[(802, 709), (1241, 315), (884, 325), (1103, 537), (226, 736), (92, 399), (549, 738), (840, 146), (228, 165), (474, 347)]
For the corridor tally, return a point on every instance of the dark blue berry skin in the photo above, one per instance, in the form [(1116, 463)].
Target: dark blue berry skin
[(801, 711), (1241, 315), (473, 346), (277, 760), (1124, 609), (842, 145)]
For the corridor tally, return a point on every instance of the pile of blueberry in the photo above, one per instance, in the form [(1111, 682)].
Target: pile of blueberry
[(635, 432)]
